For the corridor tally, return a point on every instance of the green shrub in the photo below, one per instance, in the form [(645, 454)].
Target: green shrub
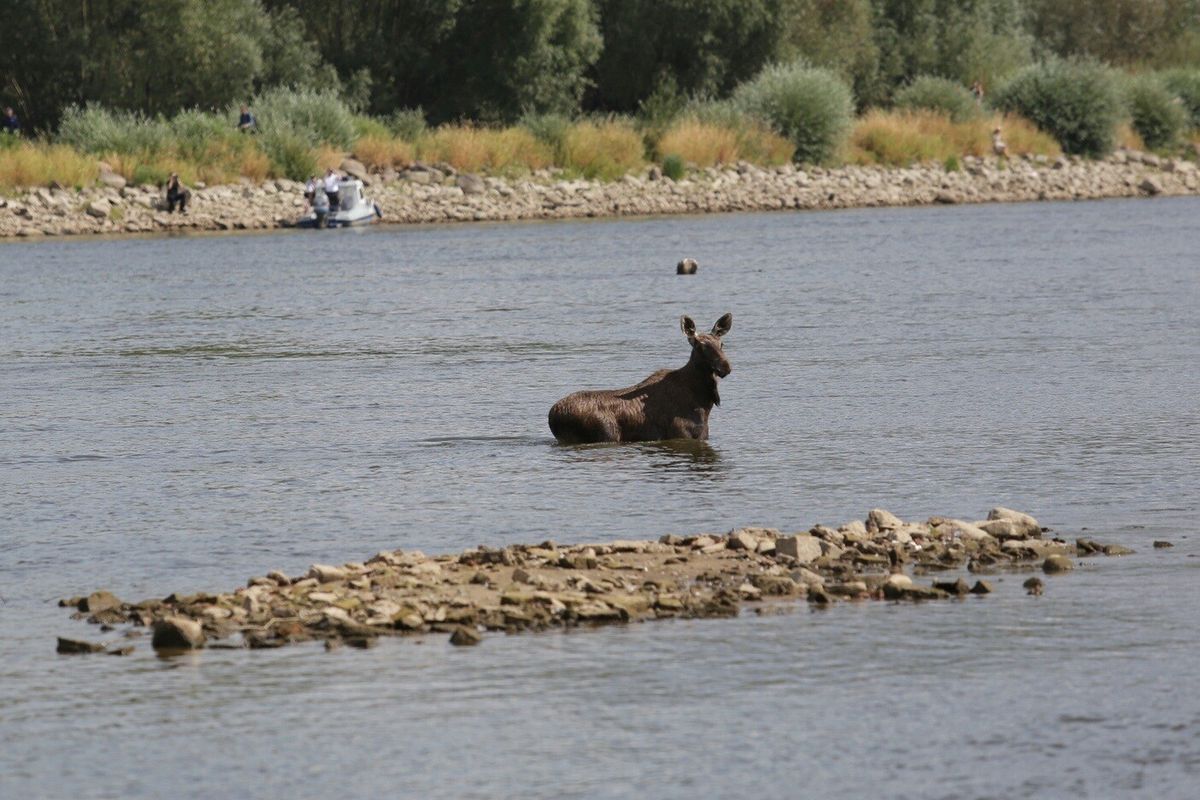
[(291, 155), (549, 129), (1185, 83), (1155, 112), (811, 106), (951, 164), (1075, 101), (196, 133), (314, 117), (938, 94), (407, 123), (150, 174), (369, 126), (672, 167), (96, 130)]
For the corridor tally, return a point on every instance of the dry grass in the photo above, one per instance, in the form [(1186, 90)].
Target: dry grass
[(37, 164), (1128, 138), (606, 150), (381, 152), (900, 138), (471, 149), (707, 144)]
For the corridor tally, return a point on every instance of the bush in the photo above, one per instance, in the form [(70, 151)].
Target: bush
[(95, 130), (291, 155), (407, 123), (549, 129), (938, 94), (306, 115), (672, 167), (606, 150), (369, 126), (1076, 101), (196, 134), (1156, 114), (1185, 83), (811, 106)]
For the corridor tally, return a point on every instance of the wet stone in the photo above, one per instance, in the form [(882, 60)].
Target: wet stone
[(77, 647), (1056, 563)]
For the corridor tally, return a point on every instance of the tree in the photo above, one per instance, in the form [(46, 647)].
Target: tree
[(706, 47), (1120, 31), (837, 34)]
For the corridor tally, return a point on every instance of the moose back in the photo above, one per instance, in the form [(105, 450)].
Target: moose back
[(670, 404)]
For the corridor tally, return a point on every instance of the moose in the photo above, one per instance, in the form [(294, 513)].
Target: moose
[(670, 404)]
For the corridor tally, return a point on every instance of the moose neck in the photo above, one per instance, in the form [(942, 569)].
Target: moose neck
[(703, 380)]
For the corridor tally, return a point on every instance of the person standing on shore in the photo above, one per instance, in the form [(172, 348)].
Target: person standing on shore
[(246, 122), (9, 123), (998, 145), (333, 185), (177, 194)]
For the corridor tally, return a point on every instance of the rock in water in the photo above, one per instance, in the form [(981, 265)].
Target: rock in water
[(77, 647), (1033, 586), (465, 636), (804, 548), (177, 633), (1055, 564), (687, 266)]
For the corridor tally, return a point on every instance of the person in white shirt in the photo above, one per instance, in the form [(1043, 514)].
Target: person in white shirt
[(998, 145), (333, 184)]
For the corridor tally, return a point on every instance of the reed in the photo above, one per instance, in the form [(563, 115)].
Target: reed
[(604, 150), (40, 164), (382, 152), (900, 138), (472, 149), (708, 144)]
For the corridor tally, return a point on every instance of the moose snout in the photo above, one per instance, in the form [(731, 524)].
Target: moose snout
[(724, 370)]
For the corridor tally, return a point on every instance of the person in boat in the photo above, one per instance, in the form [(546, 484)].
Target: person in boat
[(246, 122), (333, 185), (320, 205), (177, 194)]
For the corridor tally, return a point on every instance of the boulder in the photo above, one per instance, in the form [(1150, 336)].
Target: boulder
[(963, 530), (470, 184), (742, 540), (1021, 518), (99, 209), (687, 266), (111, 180), (1004, 529), (324, 573), (1151, 186), (96, 602), (804, 548), (880, 520), (177, 633)]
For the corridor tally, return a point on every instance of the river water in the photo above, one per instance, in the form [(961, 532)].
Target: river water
[(181, 414)]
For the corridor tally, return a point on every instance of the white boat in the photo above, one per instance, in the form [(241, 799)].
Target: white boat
[(353, 208)]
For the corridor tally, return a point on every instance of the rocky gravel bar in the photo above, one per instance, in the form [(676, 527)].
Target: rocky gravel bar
[(425, 193), (537, 587)]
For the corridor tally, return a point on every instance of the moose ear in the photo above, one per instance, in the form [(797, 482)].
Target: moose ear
[(723, 326), (688, 326)]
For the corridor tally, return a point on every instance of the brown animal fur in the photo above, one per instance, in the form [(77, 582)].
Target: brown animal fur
[(669, 404)]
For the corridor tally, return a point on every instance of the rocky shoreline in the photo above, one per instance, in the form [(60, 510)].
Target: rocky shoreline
[(537, 587), (436, 193)]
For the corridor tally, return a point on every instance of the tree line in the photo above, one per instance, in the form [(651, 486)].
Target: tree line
[(499, 60)]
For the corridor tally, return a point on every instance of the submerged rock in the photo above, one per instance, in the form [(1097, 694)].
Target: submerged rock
[(77, 647), (177, 633)]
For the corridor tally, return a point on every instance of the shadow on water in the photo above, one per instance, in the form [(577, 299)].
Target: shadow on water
[(667, 457)]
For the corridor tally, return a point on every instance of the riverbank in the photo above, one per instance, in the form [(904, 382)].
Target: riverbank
[(537, 587), (437, 193)]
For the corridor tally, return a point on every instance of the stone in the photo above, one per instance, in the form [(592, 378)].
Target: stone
[(1033, 586), (964, 530), (177, 633), (120, 651), (687, 266), (1160, 544), (470, 184), (898, 580), (1057, 563), (1151, 186), (97, 602), (958, 587), (77, 647), (1000, 512), (804, 548), (325, 573), (879, 519), (1005, 529), (111, 180), (741, 540), (356, 169), (100, 209), (981, 587)]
